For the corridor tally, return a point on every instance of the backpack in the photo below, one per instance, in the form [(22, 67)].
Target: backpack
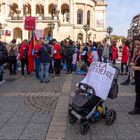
[(113, 93), (12, 52)]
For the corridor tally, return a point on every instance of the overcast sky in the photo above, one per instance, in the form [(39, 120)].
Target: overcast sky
[(120, 13)]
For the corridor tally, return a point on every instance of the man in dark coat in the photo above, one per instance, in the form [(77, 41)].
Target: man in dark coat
[(3, 56)]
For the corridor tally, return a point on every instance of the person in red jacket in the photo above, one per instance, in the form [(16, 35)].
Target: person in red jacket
[(57, 57), (37, 58), (23, 57), (125, 57), (114, 52)]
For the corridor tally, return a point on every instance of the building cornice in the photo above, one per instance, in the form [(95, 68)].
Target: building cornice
[(101, 3)]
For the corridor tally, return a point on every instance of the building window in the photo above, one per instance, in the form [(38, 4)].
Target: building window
[(80, 16), (88, 17)]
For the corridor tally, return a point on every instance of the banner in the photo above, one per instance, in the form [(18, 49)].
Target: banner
[(39, 33), (30, 23), (7, 32), (100, 76)]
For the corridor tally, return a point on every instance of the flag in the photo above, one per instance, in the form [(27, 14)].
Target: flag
[(30, 53)]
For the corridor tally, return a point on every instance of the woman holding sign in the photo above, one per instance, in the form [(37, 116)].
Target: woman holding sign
[(136, 68)]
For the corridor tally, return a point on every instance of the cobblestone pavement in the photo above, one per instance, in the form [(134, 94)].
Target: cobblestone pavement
[(30, 110)]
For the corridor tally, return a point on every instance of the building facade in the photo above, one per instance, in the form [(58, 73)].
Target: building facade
[(80, 20), (134, 29)]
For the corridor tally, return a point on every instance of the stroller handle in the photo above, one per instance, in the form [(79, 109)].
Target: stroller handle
[(86, 86)]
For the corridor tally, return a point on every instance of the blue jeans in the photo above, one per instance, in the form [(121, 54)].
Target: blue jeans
[(44, 71), (1, 72), (37, 67)]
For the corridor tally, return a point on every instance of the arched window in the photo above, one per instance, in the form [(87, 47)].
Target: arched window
[(65, 12), (17, 33), (88, 17), (80, 16)]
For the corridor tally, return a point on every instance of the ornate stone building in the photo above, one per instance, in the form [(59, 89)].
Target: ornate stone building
[(80, 20), (134, 29)]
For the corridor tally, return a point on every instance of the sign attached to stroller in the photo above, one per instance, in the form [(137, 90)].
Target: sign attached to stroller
[(100, 76)]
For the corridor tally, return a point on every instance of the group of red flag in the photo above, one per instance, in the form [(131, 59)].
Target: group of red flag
[(31, 52)]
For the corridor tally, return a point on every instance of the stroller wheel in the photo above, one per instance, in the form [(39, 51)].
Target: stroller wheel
[(84, 128), (72, 118), (110, 116)]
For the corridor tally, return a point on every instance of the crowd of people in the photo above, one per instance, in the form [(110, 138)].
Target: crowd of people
[(50, 56)]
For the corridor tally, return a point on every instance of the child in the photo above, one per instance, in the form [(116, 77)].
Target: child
[(74, 61)]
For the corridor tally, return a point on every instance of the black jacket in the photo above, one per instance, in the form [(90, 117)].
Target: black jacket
[(3, 53), (44, 53)]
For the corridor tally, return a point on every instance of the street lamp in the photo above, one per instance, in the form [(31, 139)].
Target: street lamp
[(86, 28), (51, 26), (109, 30)]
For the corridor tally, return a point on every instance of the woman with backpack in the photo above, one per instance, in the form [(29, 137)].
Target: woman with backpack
[(45, 59), (12, 57)]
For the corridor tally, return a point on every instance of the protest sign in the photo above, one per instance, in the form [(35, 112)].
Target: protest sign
[(30, 23), (39, 33), (100, 76)]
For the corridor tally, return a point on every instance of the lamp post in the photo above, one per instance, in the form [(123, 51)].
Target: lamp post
[(109, 30), (51, 26), (86, 28)]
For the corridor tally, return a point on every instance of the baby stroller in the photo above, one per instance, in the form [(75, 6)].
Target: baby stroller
[(87, 107)]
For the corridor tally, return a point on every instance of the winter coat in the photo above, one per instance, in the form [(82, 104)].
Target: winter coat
[(106, 51), (125, 54), (3, 53), (22, 50), (114, 52), (44, 53), (57, 50), (37, 47), (12, 49)]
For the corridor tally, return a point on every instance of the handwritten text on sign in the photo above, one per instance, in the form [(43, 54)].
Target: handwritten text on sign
[(100, 77)]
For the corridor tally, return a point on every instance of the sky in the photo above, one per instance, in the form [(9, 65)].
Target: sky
[(120, 14)]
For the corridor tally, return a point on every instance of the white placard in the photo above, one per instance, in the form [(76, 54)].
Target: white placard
[(39, 33), (100, 76)]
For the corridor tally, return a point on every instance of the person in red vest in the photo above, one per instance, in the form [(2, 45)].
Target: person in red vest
[(114, 52), (125, 57), (57, 58)]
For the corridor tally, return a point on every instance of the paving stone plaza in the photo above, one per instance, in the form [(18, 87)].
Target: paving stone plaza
[(30, 110)]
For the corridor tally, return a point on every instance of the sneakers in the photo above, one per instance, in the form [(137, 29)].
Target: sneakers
[(125, 83), (135, 111), (1, 82), (133, 83), (47, 81)]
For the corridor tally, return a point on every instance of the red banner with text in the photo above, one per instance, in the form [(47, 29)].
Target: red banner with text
[(30, 23)]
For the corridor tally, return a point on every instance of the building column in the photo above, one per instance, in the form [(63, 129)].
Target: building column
[(71, 12), (33, 8), (104, 14), (75, 13), (46, 6), (59, 8), (85, 14), (20, 7), (7, 8)]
